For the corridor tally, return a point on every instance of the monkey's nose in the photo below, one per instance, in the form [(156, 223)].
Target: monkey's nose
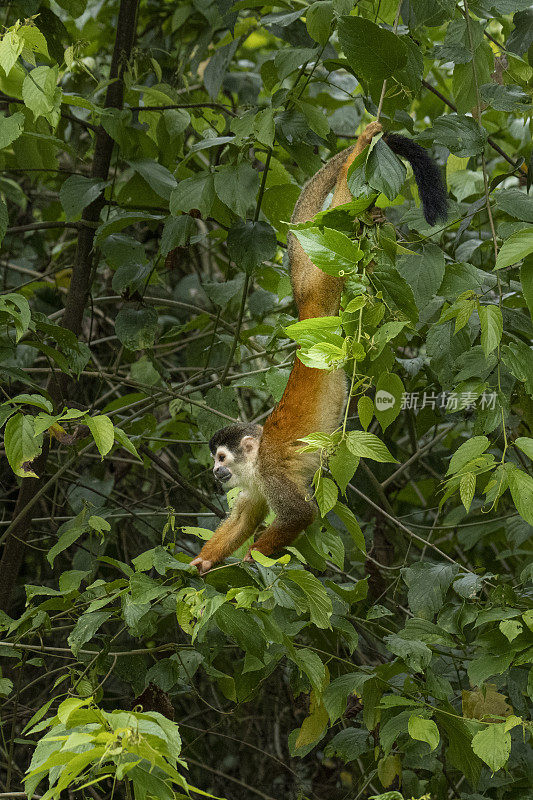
[(222, 474)]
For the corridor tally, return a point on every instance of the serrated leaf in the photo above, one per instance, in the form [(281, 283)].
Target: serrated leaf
[(368, 445), (388, 402), (365, 411), (493, 745), (466, 452), (330, 250), (515, 248), (467, 488), (373, 53)]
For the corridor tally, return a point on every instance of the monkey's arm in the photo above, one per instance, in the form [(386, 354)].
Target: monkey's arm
[(247, 513)]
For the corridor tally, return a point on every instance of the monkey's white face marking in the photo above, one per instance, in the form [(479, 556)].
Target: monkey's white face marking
[(236, 469)]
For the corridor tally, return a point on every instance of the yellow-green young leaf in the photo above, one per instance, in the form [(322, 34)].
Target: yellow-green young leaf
[(265, 561), (103, 432), (510, 628), (526, 279), (320, 607), (493, 745), (21, 444), (423, 730), (467, 487), (314, 725), (469, 450), (326, 495), (515, 248), (389, 768), (491, 327), (367, 445), (201, 533), (365, 411), (11, 46)]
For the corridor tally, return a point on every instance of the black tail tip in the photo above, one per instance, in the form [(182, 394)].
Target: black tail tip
[(431, 188)]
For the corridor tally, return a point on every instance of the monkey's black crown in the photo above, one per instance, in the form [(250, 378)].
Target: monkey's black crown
[(231, 436)]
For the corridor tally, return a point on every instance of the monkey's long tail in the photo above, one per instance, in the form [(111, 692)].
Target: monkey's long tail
[(427, 176)]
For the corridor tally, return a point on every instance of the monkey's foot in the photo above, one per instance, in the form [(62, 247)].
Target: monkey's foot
[(202, 564), (370, 131)]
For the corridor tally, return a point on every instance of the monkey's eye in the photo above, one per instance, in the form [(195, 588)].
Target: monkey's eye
[(221, 457)]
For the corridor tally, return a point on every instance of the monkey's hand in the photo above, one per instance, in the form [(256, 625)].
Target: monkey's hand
[(203, 564)]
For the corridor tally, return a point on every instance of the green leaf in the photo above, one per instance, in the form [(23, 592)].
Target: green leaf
[(251, 243), (16, 306), (491, 327), (77, 192), (526, 279), (467, 488), (197, 192), (416, 654), (424, 730), (136, 328), (365, 411), (21, 445), (318, 19), (102, 431), (463, 136), (326, 494), (343, 465), (388, 401), (373, 53), (521, 488), (348, 744), (158, 177), (493, 745), (10, 128), (349, 519), (69, 532), (367, 445), (330, 250), (428, 584), (424, 273), (311, 664), (237, 186), (526, 445), (515, 248), (11, 46), (177, 232), (320, 607), (466, 452), (384, 171), (85, 628), (41, 93)]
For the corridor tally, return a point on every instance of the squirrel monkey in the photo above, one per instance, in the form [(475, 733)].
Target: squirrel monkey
[(265, 461)]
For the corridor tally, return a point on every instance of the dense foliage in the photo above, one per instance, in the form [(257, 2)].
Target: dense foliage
[(150, 159)]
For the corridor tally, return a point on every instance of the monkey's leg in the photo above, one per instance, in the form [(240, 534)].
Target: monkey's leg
[(247, 513), (293, 514)]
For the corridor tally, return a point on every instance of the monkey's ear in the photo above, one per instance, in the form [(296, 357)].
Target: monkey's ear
[(249, 445)]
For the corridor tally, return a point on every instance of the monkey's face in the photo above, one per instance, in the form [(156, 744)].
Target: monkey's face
[(224, 466), (236, 467)]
